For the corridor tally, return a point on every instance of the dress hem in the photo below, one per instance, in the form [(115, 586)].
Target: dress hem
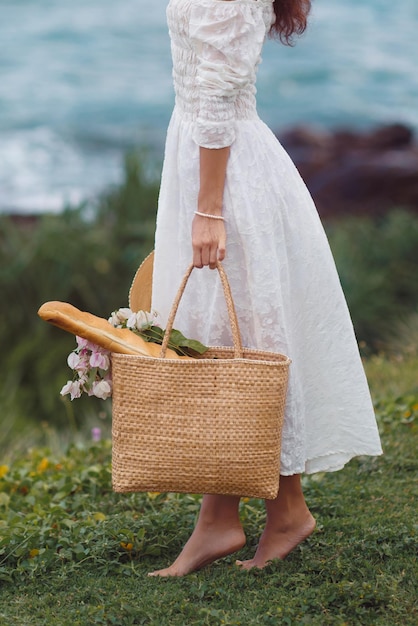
[(312, 466)]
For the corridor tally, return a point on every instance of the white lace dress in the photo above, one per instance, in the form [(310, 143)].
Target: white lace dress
[(282, 274)]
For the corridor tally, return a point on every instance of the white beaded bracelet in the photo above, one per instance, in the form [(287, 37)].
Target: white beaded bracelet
[(212, 217)]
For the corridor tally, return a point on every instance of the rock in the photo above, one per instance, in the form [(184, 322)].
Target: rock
[(360, 173)]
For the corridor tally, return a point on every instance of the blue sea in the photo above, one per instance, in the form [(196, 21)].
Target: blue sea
[(83, 82)]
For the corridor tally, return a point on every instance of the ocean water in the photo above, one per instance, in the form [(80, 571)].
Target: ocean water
[(83, 82)]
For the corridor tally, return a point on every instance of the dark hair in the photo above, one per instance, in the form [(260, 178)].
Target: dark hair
[(291, 18)]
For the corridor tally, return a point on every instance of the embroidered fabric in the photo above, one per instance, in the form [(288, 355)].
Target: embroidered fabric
[(282, 274)]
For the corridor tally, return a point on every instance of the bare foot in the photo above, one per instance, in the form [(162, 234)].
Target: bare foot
[(207, 544), (277, 543)]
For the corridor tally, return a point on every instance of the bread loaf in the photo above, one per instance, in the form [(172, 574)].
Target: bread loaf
[(100, 331)]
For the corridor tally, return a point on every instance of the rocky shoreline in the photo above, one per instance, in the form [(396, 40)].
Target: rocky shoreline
[(348, 172), (356, 173)]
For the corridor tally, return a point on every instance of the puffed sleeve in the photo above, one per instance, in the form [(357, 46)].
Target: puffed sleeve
[(227, 37)]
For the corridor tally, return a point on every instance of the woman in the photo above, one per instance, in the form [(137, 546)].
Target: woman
[(227, 180)]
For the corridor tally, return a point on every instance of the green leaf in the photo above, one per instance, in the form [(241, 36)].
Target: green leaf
[(154, 334), (177, 342), (178, 339)]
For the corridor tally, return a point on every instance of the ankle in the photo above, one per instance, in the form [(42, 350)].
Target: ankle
[(218, 524), (288, 511), (219, 511), (289, 521)]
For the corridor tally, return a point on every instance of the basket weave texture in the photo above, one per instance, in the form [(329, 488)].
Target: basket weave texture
[(204, 425)]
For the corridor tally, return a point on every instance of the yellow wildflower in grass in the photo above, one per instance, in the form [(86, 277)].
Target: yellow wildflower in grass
[(414, 407), (99, 517), (34, 552), (126, 546), (153, 494), (407, 413), (42, 465), (3, 470)]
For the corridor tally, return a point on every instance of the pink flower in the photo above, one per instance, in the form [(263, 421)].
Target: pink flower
[(84, 344), (96, 434), (100, 360), (79, 362), (91, 363), (81, 343)]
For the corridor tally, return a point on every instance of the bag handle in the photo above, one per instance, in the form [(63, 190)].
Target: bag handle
[(233, 320)]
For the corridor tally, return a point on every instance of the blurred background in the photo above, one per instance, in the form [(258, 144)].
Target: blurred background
[(85, 98)]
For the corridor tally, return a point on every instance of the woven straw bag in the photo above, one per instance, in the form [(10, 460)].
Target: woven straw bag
[(207, 425)]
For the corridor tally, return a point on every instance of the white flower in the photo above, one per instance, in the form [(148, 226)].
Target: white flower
[(144, 319), (114, 320), (73, 387), (73, 360), (119, 318), (139, 320), (101, 389), (66, 389)]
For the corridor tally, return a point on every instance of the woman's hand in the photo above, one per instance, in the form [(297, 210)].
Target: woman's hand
[(208, 240)]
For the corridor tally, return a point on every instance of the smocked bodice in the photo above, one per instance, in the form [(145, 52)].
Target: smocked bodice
[(216, 48)]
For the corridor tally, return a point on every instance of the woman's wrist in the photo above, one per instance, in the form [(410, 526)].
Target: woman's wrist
[(211, 202)]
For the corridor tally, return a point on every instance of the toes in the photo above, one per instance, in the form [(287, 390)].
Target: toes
[(250, 564), (159, 573)]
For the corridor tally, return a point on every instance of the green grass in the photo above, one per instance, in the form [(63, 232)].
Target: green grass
[(72, 552)]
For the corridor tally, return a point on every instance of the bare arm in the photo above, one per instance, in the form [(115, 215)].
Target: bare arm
[(208, 235)]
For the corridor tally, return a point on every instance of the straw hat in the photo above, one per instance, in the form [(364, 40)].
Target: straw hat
[(140, 293)]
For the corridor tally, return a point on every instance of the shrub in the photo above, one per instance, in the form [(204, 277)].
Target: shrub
[(378, 265), (87, 256)]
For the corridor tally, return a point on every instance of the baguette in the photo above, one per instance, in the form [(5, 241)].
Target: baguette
[(100, 331)]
